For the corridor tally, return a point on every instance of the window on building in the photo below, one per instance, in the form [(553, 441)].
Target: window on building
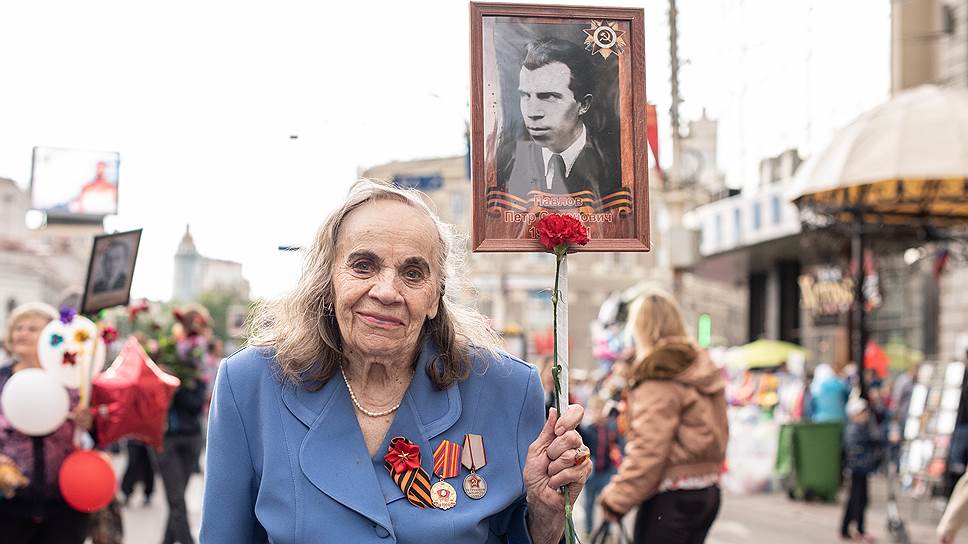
[(756, 216), (11, 305), (737, 225), (458, 203), (775, 205), (719, 229)]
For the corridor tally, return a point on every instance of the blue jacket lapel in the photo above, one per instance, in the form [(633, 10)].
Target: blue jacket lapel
[(333, 455)]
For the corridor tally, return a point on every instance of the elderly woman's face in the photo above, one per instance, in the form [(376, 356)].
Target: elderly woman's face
[(25, 335), (385, 281)]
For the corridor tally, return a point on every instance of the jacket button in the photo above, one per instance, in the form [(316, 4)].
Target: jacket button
[(381, 531)]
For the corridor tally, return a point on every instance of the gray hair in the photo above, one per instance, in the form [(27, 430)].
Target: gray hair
[(302, 327)]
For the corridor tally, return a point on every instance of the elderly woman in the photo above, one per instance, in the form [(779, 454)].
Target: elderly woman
[(372, 407), (34, 512), (678, 430)]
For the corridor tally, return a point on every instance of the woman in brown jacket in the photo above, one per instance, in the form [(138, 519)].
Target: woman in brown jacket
[(677, 436)]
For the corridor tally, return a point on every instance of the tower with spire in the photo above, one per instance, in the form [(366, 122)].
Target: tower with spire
[(187, 265)]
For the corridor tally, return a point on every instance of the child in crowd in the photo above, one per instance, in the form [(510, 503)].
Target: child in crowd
[(861, 447)]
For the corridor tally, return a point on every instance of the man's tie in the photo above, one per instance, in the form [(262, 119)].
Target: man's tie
[(557, 166)]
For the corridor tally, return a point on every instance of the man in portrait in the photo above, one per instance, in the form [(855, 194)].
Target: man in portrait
[(562, 153), (112, 268)]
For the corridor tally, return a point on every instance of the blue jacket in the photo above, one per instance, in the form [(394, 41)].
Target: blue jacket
[(830, 401), (288, 465)]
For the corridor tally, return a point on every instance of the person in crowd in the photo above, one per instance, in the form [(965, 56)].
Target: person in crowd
[(140, 469), (678, 430), (602, 438), (862, 446), (183, 437), (828, 394), (34, 512), (955, 513), (327, 427)]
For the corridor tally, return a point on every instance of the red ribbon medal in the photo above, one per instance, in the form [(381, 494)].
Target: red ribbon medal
[(446, 465), (402, 461)]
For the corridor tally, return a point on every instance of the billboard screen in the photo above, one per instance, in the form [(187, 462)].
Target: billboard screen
[(74, 182)]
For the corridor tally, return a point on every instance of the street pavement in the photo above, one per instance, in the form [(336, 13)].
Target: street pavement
[(765, 518)]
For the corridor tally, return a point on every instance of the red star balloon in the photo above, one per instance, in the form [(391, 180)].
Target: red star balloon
[(131, 398)]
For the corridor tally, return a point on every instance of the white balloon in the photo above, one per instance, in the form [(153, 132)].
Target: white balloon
[(34, 403), (78, 338)]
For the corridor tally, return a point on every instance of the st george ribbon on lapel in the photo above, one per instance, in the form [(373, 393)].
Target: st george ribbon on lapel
[(402, 461)]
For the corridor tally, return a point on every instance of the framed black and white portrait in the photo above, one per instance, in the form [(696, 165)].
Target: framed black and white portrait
[(110, 270), (558, 124)]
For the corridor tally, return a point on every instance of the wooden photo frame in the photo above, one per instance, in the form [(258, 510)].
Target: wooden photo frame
[(110, 270), (558, 124)]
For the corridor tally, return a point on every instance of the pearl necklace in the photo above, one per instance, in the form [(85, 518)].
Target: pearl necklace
[(357, 403)]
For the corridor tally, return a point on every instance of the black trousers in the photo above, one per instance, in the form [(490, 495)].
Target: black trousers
[(139, 469), (177, 463), (677, 517), (856, 505), (62, 525)]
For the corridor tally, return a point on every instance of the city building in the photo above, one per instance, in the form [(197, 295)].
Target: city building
[(196, 274), (43, 265), (751, 240)]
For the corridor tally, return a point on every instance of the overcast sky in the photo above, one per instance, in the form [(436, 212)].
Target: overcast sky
[(200, 99)]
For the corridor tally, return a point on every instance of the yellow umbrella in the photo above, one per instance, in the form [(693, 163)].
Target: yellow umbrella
[(904, 163), (764, 354)]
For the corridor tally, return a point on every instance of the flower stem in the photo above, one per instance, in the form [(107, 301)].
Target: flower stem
[(560, 252)]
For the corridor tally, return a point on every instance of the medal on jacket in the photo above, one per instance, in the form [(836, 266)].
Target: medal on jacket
[(446, 465), (474, 458), (402, 461)]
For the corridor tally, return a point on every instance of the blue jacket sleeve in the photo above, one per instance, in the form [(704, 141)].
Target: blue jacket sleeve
[(513, 521), (228, 509)]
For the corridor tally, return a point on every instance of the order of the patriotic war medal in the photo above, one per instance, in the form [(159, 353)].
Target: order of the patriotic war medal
[(444, 495), (474, 486), (604, 38)]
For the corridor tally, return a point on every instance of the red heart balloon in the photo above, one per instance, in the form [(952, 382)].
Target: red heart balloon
[(131, 398), (87, 480)]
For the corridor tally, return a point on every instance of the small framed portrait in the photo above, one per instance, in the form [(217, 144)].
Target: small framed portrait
[(110, 270), (558, 124)]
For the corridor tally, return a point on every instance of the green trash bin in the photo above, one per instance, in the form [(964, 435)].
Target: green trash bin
[(808, 460)]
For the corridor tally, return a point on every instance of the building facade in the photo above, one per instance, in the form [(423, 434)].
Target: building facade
[(196, 274), (48, 264)]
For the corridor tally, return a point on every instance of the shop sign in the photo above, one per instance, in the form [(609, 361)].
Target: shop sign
[(826, 292)]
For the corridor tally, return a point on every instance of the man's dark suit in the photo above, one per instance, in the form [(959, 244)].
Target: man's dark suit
[(104, 284), (591, 171)]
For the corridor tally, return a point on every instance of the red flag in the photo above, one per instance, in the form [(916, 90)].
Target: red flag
[(652, 134)]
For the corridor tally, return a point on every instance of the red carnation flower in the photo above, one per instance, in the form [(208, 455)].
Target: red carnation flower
[(403, 455), (556, 229), (109, 334)]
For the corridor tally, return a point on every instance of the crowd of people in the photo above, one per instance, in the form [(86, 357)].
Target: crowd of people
[(32, 509), (651, 438)]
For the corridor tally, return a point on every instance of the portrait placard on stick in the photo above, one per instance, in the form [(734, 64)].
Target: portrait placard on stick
[(110, 270), (558, 124)]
